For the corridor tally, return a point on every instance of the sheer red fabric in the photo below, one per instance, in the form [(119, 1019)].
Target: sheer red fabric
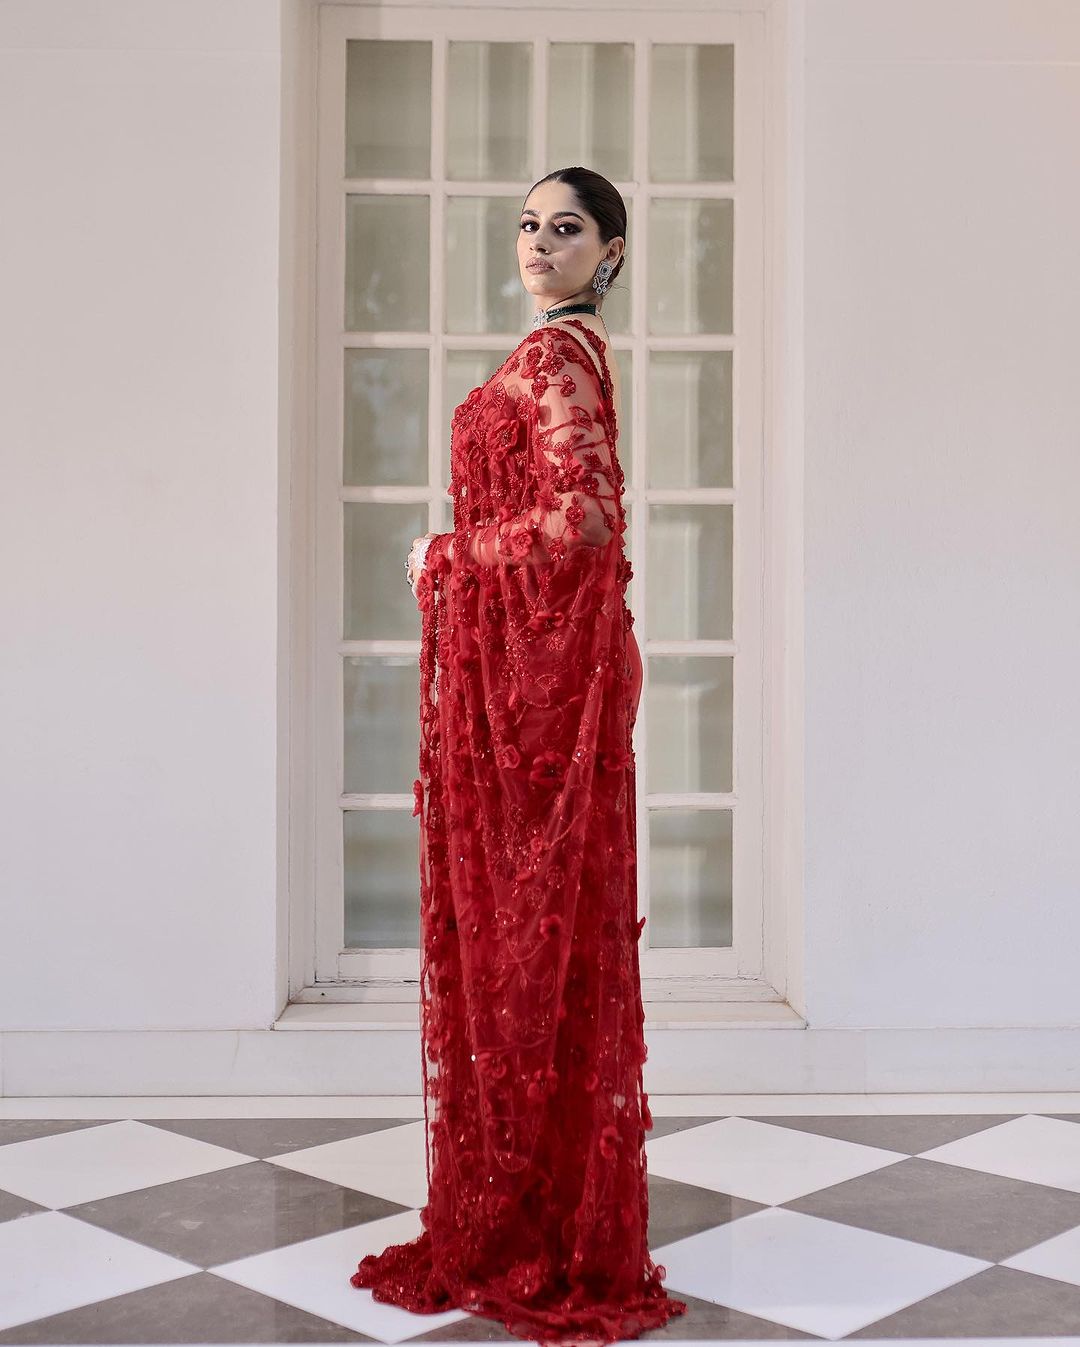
[(530, 993)]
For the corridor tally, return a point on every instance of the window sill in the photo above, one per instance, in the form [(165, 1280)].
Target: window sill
[(351, 1015)]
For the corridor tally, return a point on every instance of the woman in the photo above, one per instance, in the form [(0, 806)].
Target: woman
[(531, 1014)]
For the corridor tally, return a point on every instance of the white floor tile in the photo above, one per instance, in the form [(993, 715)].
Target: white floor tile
[(1035, 1150), (314, 1276), (760, 1162), (817, 1276), (50, 1262), (390, 1163), (95, 1162), (1058, 1258)]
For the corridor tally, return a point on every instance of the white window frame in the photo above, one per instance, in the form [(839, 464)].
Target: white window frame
[(754, 969)]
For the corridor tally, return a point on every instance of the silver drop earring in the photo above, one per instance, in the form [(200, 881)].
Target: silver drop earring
[(602, 276)]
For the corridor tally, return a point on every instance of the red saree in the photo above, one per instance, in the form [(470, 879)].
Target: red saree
[(531, 1013)]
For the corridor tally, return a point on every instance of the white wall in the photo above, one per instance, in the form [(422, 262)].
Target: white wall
[(138, 382), (139, 545), (942, 433)]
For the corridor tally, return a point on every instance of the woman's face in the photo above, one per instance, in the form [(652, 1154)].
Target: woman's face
[(554, 229)]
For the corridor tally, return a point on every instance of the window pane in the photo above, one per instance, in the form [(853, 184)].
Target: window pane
[(484, 292), (624, 363), (464, 371), (689, 723), (387, 109), (488, 102), (689, 878), (378, 601), (590, 106), (382, 731), (690, 266), (616, 309), (386, 263), (382, 879), (386, 421), (628, 548), (691, 136), (690, 414), (690, 572)]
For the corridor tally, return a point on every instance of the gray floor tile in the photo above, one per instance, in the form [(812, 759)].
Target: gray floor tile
[(12, 1206), (201, 1308), (705, 1321), (29, 1129), (1000, 1302), (962, 1210), (232, 1213), (665, 1127), (680, 1209), (263, 1138), (910, 1134)]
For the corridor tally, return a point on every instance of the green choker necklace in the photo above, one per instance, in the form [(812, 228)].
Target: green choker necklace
[(543, 316)]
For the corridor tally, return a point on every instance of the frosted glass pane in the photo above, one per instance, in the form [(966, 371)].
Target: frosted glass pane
[(464, 371), (628, 548), (386, 263), (690, 266), (387, 109), (624, 363), (382, 879), (488, 102), (689, 719), (382, 737), (616, 310), (386, 421), (590, 106), (691, 133), (484, 292), (689, 879), (689, 418), (378, 600), (690, 572)]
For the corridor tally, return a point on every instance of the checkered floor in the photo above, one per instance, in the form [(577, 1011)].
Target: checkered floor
[(246, 1229)]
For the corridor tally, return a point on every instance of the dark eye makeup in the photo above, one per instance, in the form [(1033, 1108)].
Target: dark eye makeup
[(572, 228)]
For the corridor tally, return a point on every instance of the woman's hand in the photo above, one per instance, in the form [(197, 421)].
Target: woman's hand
[(415, 566)]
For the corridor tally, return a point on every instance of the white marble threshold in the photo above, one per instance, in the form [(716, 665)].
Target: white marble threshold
[(411, 1106)]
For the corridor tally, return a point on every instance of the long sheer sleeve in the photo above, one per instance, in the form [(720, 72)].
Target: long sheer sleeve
[(571, 424)]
